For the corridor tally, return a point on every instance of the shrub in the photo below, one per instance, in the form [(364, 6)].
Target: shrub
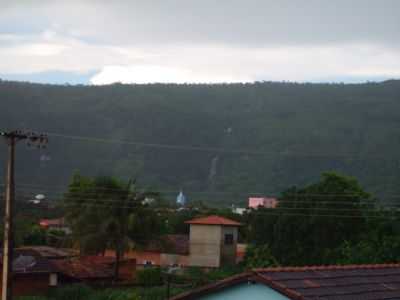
[(149, 277), (72, 292)]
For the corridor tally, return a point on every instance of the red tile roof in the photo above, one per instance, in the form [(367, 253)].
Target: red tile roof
[(351, 282), (89, 267), (52, 222), (213, 220)]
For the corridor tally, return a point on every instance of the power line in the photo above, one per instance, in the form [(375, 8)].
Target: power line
[(201, 148), (33, 187), (280, 212)]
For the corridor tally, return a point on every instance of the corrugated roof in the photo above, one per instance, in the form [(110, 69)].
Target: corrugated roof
[(351, 282), (51, 252), (27, 261), (366, 282), (213, 220)]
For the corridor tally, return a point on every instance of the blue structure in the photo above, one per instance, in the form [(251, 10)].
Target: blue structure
[(181, 199), (246, 291)]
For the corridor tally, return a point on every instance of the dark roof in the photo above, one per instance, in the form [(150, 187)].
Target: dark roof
[(26, 261), (86, 267), (352, 282), (169, 243), (51, 252), (213, 220), (366, 282)]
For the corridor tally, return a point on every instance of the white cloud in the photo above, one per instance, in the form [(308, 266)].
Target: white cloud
[(159, 74), (52, 51), (201, 41)]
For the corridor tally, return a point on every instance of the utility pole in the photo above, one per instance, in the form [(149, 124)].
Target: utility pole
[(11, 139)]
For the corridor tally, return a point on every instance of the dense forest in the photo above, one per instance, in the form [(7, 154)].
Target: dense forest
[(239, 139)]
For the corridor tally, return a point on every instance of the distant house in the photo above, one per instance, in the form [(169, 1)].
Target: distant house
[(213, 241), (55, 224), (95, 270), (306, 283), (32, 273), (239, 210), (168, 250), (266, 202), (51, 252)]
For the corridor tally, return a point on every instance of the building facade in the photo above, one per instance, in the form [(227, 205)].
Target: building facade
[(213, 241)]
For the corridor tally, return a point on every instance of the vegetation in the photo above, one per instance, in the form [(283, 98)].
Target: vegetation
[(149, 277), (105, 213), (259, 257), (332, 221), (303, 129)]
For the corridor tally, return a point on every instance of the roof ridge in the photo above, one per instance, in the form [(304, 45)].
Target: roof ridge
[(213, 220), (327, 267)]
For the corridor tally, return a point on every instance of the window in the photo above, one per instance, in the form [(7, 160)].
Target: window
[(229, 239), (147, 263)]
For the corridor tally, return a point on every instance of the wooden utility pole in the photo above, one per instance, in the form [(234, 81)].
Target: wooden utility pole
[(11, 139)]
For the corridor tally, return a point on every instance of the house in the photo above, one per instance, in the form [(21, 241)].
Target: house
[(94, 270), (266, 202), (239, 210), (213, 241), (168, 250), (350, 282), (55, 224), (32, 273), (52, 252)]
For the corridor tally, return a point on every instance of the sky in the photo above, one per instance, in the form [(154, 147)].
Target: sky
[(208, 41)]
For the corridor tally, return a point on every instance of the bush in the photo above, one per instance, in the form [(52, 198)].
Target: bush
[(259, 257), (72, 292), (149, 277)]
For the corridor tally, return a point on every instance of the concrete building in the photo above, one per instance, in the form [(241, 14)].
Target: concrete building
[(213, 241), (266, 202)]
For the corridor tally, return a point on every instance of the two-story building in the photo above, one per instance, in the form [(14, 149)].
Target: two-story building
[(212, 241)]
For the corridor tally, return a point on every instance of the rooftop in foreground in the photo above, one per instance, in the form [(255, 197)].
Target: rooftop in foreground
[(351, 282)]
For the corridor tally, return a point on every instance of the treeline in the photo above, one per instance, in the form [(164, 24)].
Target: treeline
[(275, 135), (332, 221)]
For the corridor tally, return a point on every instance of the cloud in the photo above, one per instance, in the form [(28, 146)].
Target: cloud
[(201, 41), (160, 74)]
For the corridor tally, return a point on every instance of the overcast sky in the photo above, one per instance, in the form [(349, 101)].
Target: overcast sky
[(101, 42)]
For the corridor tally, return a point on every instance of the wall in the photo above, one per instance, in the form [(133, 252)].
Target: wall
[(205, 244), (127, 270), (30, 284), (174, 259), (228, 252), (140, 256)]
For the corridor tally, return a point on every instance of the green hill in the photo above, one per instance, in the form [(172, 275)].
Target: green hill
[(274, 135)]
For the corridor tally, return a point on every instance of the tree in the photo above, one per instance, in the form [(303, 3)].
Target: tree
[(259, 257), (311, 222), (104, 213)]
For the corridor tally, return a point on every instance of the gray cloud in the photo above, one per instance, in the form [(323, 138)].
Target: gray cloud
[(263, 22), (208, 40)]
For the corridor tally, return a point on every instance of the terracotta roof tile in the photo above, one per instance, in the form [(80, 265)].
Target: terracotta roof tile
[(86, 267), (213, 220)]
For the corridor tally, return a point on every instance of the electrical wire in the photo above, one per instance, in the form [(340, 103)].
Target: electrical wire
[(200, 148)]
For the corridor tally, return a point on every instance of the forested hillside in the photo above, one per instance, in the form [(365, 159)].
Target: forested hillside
[(274, 134)]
